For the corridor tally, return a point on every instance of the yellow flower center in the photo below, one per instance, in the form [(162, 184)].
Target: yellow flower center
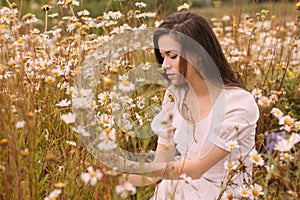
[(92, 174), (126, 83), (286, 156), (107, 130), (288, 122), (255, 158), (49, 79), (230, 166), (265, 101), (232, 145), (244, 191), (255, 192)]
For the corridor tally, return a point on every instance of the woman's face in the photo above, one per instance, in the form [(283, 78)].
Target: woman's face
[(170, 51)]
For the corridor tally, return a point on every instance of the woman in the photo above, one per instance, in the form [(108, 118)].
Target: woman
[(205, 109)]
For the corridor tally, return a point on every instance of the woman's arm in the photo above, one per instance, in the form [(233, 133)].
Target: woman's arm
[(194, 168)]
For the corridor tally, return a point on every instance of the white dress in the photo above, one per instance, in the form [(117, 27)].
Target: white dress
[(233, 117)]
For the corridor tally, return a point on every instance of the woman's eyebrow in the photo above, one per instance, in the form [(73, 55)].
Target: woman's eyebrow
[(169, 51)]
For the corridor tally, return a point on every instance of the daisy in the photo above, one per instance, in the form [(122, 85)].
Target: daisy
[(273, 98), (68, 118), (82, 131), (256, 93), (256, 158), (297, 124), (287, 144), (264, 101), (243, 191), (276, 112), (125, 190), (72, 143), (286, 122), (103, 98), (53, 195), (140, 4), (140, 102), (230, 165), (91, 176), (183, 6), (232, 144), (126, 86), (20, 124), (186, 178), (284, 156), (63, 103), (256, 190)]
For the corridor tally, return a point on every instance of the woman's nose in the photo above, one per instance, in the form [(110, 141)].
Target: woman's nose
[(165, 64)]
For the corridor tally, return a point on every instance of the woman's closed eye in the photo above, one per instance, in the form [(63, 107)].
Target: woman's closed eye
[(170, 55)]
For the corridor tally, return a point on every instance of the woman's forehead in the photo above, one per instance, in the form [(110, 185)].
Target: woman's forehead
[(168, 43)]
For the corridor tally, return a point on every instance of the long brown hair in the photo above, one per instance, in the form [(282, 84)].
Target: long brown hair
[(199, 30)]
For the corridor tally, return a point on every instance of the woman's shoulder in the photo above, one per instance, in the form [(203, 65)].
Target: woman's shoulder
[(239, 98)]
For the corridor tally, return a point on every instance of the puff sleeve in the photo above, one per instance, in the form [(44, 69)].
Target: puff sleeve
[(162, 122), (237, 121)]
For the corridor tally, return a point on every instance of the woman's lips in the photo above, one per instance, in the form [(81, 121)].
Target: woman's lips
[(170, 75)]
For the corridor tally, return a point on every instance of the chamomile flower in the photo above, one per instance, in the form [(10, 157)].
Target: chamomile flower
[(140, 4), (183, 6), (125, 190), (264, 101), (230, 165), (20, 124), (232, 144), (276, 112), (68, 118), (54, 194), (287, 144), (186, 178), (286, 157), (126, 86), (91, 176), (287, 122), (63, 103), (243, 191), (256, 190), (257, 93), (256, 158)]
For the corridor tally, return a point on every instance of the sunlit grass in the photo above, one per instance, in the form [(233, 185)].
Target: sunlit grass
[(42, 153)]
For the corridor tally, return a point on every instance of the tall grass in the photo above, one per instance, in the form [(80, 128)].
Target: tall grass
[(42, 155)]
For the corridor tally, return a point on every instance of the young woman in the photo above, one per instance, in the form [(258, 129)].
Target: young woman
[(206, 108)]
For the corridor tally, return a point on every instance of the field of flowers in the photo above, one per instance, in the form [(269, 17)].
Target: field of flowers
[(44, 150)]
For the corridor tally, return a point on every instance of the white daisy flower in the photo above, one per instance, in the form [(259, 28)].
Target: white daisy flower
[(256, 158), (287, 122), (264, 101), (276, 112), (256, 190), (183, 6), (230, 165), (257, 93), (20, 124), (126, 86), (286, 157), (125, 190), (53, 195), (68, 118), (287, 144), (186, 178), (63, 103), (232, 144), (91, 176)]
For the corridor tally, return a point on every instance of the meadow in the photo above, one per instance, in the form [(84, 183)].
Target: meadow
[(67, 80)]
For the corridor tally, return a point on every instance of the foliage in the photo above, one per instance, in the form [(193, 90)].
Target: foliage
[(43, 156)]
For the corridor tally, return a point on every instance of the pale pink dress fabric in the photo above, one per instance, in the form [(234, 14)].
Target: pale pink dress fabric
[(240, 111)]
